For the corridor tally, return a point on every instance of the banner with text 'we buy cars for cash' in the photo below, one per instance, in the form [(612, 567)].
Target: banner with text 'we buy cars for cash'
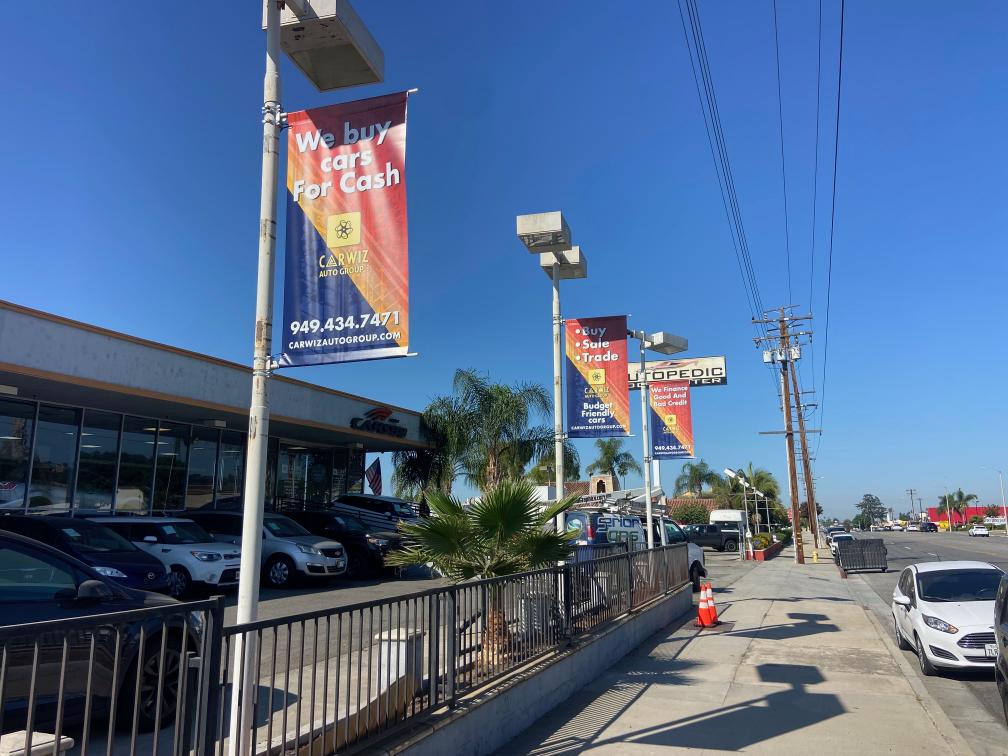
[(346, 287), (598, 394)]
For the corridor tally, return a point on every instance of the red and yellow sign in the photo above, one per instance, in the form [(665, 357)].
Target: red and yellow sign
[(598, 394)]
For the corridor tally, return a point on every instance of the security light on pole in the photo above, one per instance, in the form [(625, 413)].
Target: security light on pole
[(664, 343), (549, 236)]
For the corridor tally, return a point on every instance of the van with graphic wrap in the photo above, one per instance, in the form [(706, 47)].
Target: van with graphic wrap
[(607, 529)]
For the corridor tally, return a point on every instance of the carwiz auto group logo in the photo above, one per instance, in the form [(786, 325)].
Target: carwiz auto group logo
[(379, 420)]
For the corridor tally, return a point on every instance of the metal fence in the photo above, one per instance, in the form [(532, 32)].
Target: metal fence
[(323, 680)]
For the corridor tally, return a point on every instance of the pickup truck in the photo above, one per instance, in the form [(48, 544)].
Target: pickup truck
[(714, 536)]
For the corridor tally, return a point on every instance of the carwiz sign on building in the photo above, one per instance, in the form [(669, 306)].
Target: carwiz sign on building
[(94, 421)]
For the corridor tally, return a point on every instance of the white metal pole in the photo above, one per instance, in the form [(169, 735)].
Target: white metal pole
[(258, 433), (1004, 509), (558, 440), (647, 441)]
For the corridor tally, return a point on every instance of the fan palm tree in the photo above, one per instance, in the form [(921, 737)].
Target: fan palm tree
[(504, 532), (613, 460), (694, 477)]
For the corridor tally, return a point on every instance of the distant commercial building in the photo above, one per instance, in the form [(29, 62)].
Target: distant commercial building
[(95, 421)]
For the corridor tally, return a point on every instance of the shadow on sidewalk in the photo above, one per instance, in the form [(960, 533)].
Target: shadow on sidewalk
[(803, 626), (731, 727)]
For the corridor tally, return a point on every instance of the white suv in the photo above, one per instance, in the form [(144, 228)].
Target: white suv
[(189, 552)]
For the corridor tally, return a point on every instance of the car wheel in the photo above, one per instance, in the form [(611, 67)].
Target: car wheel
[(694, 575), (1002, 692), (356, 567), (731, 546), (179, 582), (900, 640), (926, 667), (280, 571), (151, 681)]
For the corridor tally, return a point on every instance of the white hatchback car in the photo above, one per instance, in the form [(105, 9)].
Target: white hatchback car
[(979, 530), (945, 612), (185, 548)]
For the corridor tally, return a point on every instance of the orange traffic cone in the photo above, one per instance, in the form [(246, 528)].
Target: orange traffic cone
[(711, 608), (703, 613)]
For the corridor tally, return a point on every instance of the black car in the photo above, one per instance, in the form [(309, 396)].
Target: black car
[(366, 548), (928, 527), (99, 547), (39, 583), (1001, 640)]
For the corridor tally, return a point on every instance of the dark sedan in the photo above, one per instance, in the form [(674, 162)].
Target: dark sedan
[(366, 549), (99, 547)]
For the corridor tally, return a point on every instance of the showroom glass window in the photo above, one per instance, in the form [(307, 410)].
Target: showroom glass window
[(202, 467), (172, 455), (52, 478), (339, 475), (231, 468), (16, 419), (136, 465), (99, 451)]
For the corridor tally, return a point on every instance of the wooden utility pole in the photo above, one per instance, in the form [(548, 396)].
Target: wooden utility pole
[(806, 467), (789, 436)]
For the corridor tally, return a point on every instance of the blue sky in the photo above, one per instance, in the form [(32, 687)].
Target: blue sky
[(131, 178)]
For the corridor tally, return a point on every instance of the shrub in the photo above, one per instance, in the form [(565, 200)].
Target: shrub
[(690, 514), (761, 541)]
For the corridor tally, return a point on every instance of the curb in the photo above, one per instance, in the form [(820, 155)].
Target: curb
[(950, 733)]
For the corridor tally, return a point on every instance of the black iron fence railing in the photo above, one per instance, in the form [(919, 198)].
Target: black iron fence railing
[(323, 680)]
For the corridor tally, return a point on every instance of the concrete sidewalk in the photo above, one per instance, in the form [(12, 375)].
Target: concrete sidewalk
[(799, 665)]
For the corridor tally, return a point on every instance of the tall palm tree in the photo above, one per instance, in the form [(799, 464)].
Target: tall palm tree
[(543, 472), (694, 477), (506, 531), (613, 460), (419, 470), (955, 503)]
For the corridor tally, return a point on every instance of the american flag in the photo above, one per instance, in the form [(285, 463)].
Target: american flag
[(373, 475)]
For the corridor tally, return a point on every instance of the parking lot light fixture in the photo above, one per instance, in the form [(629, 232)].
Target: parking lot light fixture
[(548, 236), (664, 343)]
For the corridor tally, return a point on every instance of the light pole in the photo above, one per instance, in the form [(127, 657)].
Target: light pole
[(344, 55), (665, 343), (766, 506), (1004, 509), (549, 236)]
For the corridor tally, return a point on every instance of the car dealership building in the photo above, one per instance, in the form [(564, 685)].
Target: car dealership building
[(92, 420)]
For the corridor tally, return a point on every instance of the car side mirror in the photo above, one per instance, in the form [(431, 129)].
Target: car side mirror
[(93, 591), (903, 601), (150, 539)]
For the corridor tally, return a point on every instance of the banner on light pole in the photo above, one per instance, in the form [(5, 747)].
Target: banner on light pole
[(598, 397), (346, 285), (671, 420)]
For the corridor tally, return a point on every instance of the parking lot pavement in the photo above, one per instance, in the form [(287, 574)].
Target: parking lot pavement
[(969, 698), (801, 668)]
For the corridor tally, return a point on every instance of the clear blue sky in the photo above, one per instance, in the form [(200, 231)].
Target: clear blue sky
[(131, 179)]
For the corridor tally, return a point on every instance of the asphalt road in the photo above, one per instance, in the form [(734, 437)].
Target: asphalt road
[(904, 549)]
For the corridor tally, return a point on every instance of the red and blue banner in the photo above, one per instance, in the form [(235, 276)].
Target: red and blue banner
[(346, 285), (671, 420), (598, 389)]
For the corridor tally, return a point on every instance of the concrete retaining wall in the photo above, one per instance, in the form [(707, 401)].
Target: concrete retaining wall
[(486, 722)]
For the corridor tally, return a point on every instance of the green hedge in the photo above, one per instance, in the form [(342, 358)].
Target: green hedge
[(761, 541)]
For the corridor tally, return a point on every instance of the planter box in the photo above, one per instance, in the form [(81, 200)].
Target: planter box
[(761, 555)]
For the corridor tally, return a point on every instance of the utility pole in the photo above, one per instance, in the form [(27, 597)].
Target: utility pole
[(813, 515), (911, 492)]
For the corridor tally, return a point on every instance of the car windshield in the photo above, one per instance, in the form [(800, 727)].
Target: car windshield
[(403, 510), (182, 532), (95, 539), (350, 524), (843, 537), (958, 585), (283, 527)]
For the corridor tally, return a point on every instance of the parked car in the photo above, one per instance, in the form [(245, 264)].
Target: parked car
[(714, 536), (40, 583), (380, 513), (366, 549), (928, 527), (978, 531), (667, 533), (190, 553), (835, 539), (99, 547), (912, 528), (288, 550), (945, 611), (602, 528), (1001, 642)]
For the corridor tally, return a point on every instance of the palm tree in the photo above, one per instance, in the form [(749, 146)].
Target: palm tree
[(543, 472), (955, 503), (613, 460), (694, 477), (418, 470), (504, 532)]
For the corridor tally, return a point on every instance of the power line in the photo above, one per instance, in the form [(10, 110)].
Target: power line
[(815, 185), (780, 127), (829, 266)]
